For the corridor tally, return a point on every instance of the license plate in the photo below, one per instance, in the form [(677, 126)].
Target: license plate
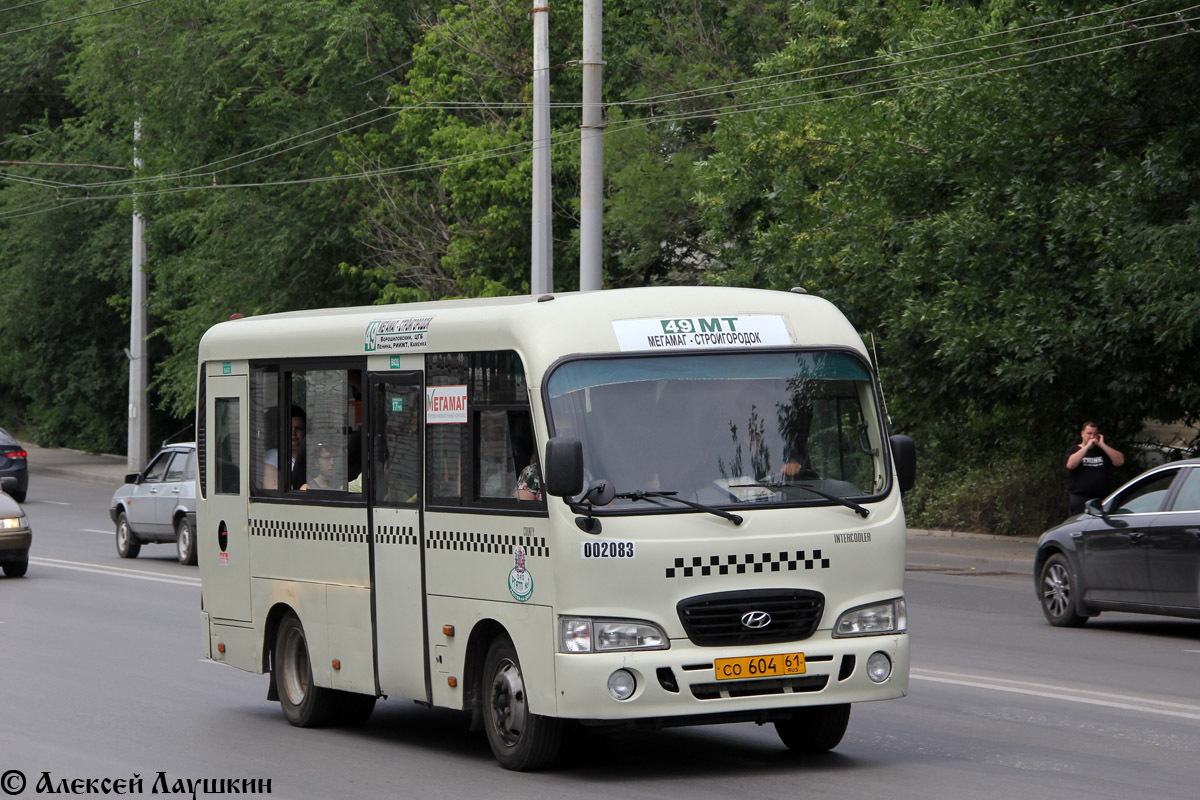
[(729, 669)]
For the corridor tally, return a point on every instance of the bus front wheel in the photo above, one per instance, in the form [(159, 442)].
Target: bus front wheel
[(305, 704), (520, 739), (814, 730)]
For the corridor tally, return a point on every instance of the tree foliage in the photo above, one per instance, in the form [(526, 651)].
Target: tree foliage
[(1002, 194)]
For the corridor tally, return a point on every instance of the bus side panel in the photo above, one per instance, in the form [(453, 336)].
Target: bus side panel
[(309, 602), (349, 614), (530, 627)]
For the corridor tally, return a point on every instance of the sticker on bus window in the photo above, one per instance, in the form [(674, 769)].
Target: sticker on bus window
[(391, 335), (446, 405), (695, 333)]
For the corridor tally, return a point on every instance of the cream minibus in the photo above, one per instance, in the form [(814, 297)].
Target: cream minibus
[(631, 508)]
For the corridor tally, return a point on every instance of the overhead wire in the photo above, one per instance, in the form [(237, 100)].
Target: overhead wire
[(769, 104), (759, 83), (75, 19)]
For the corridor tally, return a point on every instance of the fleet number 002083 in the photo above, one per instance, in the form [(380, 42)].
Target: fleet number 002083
[(759, 666)]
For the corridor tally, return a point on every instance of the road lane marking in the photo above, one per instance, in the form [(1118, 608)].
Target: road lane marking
[(96, 530), (1058, 692), (55, 503), (118, 572)]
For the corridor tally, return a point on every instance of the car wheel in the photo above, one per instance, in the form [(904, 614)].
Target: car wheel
[(814, 730), (185, 542), (304, 704), (520, 739), (19, 496), (16, 569), (1058, 593), (127, 544)]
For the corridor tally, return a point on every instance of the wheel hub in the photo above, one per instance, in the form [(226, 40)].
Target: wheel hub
[(508, 708)]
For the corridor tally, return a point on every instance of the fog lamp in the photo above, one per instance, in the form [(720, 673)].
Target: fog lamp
[(621, 684), (879, 667)]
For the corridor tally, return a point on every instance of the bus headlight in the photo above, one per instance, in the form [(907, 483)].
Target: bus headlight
[(875, 619), (584, 635)]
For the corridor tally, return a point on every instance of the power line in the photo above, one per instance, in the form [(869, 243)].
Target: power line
[(764, 82), (23, 5), (73, 19), (773, 104)]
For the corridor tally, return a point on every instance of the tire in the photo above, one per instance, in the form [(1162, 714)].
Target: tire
[(17, 569), (354, 709), (127, 544), (520, 739), (815, 730), (185, 542), (304, 704), (19, 496), (1057, 591)]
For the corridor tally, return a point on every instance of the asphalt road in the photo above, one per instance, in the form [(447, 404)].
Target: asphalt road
[(101, 677)]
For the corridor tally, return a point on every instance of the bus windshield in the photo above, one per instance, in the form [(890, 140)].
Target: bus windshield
[(724, 429)]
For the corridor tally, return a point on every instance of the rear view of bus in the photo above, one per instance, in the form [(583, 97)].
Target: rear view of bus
[(633, 508)]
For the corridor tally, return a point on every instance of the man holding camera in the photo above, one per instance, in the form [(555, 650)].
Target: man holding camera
[(1091, 463)]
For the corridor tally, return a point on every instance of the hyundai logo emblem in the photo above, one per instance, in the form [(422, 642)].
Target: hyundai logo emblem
[(756, 619)]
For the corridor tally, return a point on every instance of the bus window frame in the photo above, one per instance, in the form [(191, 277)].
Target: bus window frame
[(285, 368)]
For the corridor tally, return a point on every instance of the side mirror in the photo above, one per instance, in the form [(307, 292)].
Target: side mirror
[(904, 454), (1093, 508), (133, 477), (8, 485), (563, 470)]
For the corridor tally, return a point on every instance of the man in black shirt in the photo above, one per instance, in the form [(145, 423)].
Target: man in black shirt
[(1090, 462)]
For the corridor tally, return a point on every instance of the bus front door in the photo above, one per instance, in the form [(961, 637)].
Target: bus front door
[(395, 403)]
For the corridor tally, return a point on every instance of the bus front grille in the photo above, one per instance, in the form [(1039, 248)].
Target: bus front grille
[(751, 617)]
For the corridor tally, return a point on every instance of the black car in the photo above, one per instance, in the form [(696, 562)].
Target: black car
[(14, 463), (1136, 550)]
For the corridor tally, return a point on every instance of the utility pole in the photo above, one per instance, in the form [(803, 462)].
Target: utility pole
[(591, 149), (542, 277), (139, 422)]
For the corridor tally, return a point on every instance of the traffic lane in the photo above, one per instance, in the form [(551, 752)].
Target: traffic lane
[(994, 624), (114, 685), (71, 522)]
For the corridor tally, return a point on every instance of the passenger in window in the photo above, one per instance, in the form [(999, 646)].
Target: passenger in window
[(529, 482), (326, 468), (1090, 463), (271, 460)]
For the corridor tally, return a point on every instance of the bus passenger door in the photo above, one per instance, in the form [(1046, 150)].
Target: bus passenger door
[(223, 545), (394, 481)]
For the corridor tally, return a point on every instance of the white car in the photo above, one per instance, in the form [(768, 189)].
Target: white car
[(15, 533), (158, 504)]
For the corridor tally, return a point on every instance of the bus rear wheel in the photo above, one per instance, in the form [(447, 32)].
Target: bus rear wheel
[(814, 730), (520, 739), (305, 704)]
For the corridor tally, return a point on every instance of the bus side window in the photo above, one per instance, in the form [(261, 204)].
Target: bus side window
[(227, 433)]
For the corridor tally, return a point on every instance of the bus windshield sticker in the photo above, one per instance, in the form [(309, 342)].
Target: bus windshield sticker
[(695, 333), (445, 405), (520, 581), (391, 335)]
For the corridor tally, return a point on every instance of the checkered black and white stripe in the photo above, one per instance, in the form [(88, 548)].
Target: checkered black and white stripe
[(782, 561)]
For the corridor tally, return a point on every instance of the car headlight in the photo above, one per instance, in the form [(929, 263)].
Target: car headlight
[(876, 619), (585, 635), (12, 523)]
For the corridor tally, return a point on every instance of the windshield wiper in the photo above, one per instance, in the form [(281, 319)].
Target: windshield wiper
[(860, 510), (651, 496)]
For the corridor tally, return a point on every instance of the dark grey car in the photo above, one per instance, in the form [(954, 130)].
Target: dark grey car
[(158, 504), (1136, 550)]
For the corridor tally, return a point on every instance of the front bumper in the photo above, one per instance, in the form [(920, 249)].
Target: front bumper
[(14, 545), (681, 682)]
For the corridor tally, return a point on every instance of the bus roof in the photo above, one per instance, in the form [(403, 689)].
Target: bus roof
[(544, 329)]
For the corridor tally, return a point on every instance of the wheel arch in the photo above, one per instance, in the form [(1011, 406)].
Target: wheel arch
[(1055, 548), (482, 635)]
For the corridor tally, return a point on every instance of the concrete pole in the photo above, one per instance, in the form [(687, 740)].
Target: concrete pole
[(542, 276), (139, 418), (591, 148)]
